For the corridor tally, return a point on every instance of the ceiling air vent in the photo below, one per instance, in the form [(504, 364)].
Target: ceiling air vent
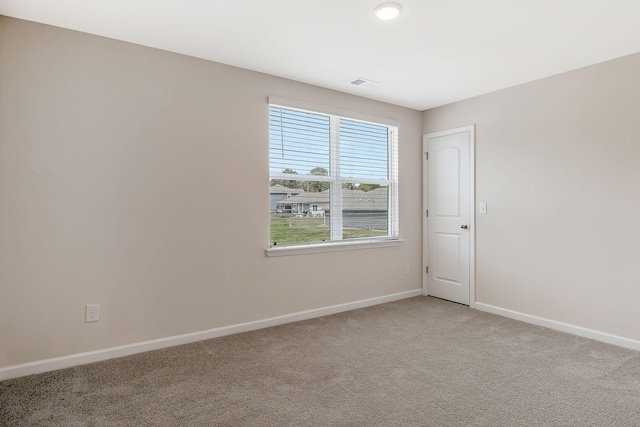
[(364, 83)]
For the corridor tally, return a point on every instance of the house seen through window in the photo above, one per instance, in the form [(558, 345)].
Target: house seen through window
[(332, 178)]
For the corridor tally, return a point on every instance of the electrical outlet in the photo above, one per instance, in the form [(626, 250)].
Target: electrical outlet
[(406, 269), (92, 313)]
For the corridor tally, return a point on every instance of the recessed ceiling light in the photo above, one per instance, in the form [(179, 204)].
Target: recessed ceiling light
[(387, 11)]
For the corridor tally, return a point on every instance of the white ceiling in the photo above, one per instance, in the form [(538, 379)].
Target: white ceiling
[(436, 52)]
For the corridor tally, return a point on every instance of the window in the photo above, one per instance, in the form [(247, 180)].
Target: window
[(333, 177)]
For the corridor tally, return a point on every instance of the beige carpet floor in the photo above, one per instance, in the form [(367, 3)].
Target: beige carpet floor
[(416, 362)]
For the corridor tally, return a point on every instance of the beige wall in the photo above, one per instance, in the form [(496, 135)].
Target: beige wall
[(558, 162), (137, 179)]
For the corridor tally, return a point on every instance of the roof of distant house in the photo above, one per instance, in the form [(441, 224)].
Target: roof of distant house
[(352, 200), (281, 189)]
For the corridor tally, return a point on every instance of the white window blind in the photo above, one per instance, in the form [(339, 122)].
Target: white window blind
[(332, 178)]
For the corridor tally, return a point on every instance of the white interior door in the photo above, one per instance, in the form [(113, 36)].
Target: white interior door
[(449, 213)]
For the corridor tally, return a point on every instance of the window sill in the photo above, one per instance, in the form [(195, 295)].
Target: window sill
[(332, 247)]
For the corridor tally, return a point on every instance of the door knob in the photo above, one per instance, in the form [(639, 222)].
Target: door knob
[(464, 226)]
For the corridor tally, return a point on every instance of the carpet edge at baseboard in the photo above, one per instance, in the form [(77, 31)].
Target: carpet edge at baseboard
[(560, 326), (77, 359)]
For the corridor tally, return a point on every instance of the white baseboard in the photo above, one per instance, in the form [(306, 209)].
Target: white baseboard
[(140, 347), (561, 326)]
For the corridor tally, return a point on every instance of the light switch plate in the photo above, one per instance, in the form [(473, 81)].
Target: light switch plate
[(483, 208)]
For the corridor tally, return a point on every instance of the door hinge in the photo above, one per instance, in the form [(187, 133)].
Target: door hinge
[(427, 213), (427, 154), (426, 270)]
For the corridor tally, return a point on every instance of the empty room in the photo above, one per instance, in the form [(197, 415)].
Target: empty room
[(334, 213)]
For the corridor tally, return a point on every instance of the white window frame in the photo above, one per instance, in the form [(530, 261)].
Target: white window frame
[(336, 243)]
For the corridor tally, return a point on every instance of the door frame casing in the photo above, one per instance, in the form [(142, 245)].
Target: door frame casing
[(472, 206)]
